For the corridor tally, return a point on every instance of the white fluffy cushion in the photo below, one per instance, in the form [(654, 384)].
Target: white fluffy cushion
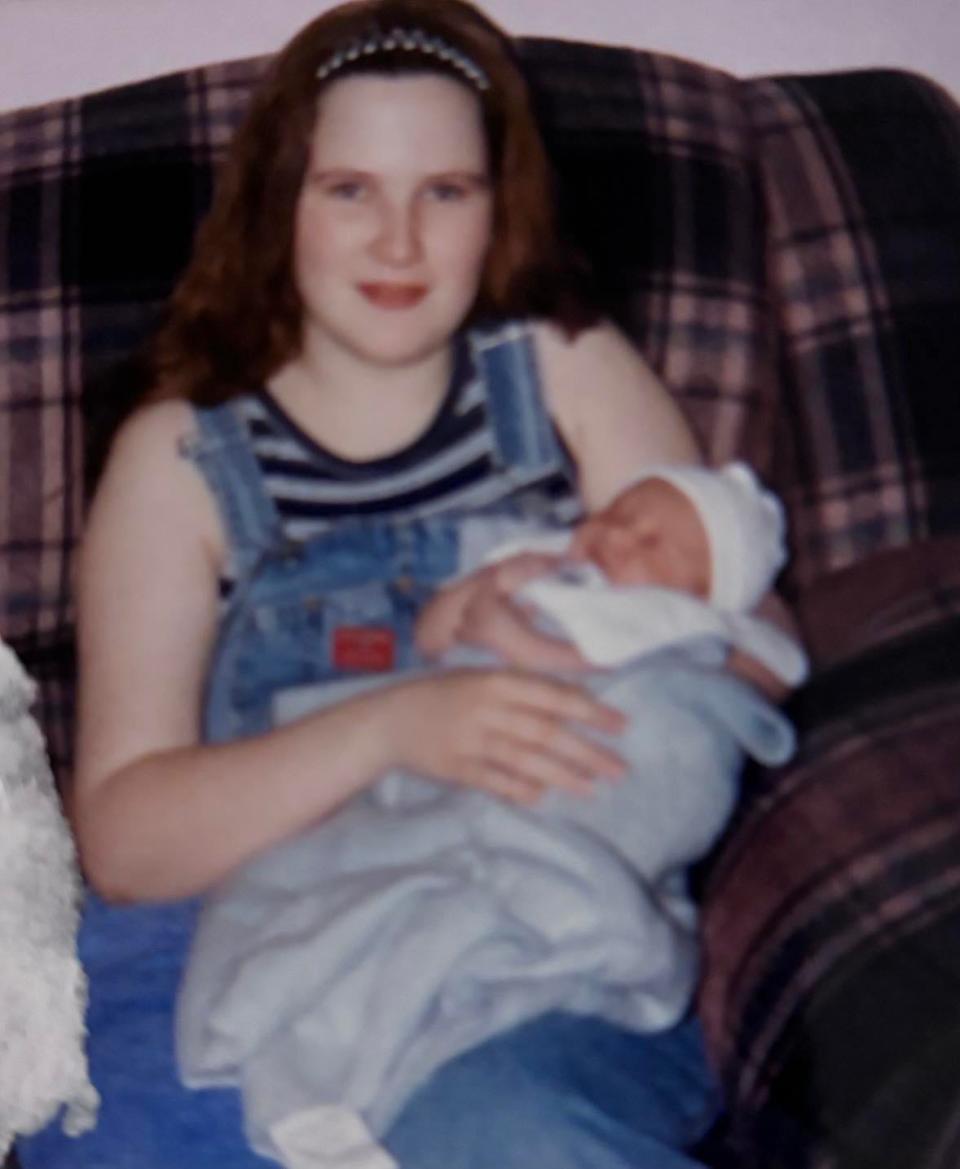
[(42, 986)]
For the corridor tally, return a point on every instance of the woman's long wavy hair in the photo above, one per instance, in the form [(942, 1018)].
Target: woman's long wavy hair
[(235, 317)]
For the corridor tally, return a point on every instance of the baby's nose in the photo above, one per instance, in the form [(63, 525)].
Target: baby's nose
[(616, 535)]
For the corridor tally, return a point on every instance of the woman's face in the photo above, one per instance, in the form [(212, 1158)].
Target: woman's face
[(394, 218)]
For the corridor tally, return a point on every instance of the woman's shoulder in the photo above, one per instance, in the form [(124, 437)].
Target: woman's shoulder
[(600, 349), (155, 427), (147, 448), (146, 477)]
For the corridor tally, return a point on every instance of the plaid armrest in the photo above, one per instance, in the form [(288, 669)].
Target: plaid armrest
[(832, 916)]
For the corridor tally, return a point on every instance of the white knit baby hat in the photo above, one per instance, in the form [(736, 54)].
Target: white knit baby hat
[(745, 526)]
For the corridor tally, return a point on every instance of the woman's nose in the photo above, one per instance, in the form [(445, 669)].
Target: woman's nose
[(398, 236)]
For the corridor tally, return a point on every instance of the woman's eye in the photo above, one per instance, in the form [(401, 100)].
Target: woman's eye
[(349, 190), (448, 192)]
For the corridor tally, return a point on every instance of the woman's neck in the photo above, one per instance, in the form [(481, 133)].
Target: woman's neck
[(357, 409)]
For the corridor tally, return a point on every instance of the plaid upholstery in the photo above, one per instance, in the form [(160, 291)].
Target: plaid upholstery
[(98, 201), (660, 189), (861, 175), (832, 917), (786, 251)]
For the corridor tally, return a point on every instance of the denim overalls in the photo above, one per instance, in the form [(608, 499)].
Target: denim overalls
[(344, 603), (341, 606)]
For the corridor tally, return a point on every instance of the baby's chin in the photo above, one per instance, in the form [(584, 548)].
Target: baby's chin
[(629, 574)]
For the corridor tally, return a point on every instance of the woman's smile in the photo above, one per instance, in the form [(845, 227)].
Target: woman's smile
[(392, 296)]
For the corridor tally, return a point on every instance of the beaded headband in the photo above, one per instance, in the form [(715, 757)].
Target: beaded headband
[(409, 41)]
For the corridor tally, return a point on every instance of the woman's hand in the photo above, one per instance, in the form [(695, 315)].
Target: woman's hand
[(482, 611), (509, 733), (774, 609)]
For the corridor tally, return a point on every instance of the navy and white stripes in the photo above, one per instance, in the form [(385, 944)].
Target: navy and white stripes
[(452, 466)]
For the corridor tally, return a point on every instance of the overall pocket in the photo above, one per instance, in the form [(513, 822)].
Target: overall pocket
[(284, 643), (341, 607)]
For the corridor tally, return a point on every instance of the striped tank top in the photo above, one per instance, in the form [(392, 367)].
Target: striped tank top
[(449, 467)]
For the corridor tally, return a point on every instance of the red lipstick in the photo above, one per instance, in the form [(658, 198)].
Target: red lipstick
[(393, 296)]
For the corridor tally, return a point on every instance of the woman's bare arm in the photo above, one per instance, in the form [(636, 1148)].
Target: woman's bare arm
[(615, 414), (160, 816), (156, 814), (481, 610)]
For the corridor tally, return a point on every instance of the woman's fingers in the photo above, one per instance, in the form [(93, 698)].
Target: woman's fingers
[(537, 766), (532, 732), (565, 701), (505, 627), (536, 736), (515, 788), (507, 732)]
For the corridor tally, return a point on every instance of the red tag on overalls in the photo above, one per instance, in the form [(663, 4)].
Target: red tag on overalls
[(364, 647)]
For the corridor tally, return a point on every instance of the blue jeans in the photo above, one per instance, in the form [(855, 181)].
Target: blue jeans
[(560, 1092), (563, 1092)]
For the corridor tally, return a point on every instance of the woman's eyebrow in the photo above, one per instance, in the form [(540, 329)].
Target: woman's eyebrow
[(477, 177), (340, 172), (473, 178)]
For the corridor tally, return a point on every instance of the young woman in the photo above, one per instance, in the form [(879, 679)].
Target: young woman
[(375, 334)]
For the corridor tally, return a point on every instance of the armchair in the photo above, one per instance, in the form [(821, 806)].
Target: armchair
[(786, 252)]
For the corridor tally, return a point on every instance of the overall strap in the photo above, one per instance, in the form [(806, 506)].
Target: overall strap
[(222, 453), (523, 431)]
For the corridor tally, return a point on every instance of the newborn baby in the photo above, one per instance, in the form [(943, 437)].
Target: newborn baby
[(334, 974), (682, 552)]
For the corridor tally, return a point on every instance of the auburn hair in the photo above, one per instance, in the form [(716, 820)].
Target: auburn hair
[(235, 316)]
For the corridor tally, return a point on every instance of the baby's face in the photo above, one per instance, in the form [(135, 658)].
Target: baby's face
[(649, 534)]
